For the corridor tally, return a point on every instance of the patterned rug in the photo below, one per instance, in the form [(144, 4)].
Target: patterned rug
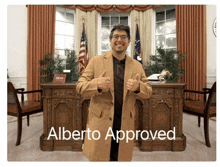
[(14, 119)]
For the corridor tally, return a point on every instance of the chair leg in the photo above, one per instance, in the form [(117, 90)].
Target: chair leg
[(206, 131), (199, 121), (19, 130), (28, 120)]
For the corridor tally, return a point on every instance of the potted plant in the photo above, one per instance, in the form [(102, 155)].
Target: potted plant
[(166, 60), (72, 64), (49, 67)]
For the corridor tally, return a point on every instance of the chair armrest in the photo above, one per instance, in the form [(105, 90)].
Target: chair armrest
[(206, 89), (204, 92), (20, 89), (32, 91)]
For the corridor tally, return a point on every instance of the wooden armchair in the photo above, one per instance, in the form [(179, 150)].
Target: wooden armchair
[(23, 108), (204, 108)]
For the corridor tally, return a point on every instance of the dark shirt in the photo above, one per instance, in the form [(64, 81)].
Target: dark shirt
[(119, 68)]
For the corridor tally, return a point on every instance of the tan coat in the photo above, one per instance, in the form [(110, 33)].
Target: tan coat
[(101, 109)]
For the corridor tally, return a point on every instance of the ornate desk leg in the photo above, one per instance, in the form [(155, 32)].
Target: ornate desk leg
[(46, 145)]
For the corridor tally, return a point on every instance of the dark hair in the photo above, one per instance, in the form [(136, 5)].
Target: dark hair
[(120, 27)]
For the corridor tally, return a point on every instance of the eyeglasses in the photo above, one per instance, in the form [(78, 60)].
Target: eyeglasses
[(123, 37)]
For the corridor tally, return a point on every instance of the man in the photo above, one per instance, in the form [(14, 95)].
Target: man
[(114, 81)]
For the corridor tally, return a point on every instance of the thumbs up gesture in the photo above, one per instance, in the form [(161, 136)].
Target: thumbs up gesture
[(104, 82), (134, 84)]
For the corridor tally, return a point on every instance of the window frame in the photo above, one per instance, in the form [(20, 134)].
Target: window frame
[(100, 26), (65, 35), (153, 49)]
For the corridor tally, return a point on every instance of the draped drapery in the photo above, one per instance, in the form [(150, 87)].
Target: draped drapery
[(41, 34), (191, 39), (90, 20), (144, 21), (110, 8)]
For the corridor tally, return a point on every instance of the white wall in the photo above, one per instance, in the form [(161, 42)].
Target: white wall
[(17, 45), (211, 45)]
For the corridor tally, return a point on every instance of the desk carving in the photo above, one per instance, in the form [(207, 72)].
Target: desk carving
[(63, 107)]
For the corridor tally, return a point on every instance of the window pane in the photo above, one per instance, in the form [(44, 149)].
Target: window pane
[(127, 52), (108, 21), (165, 33), (69, 42), (170, 14), (160, 28), (61, 57), (69, 30), (167, 50), (160, 16), (160, 41), (60, 15), (58, 8), (61, 53), (105, 33), (63, 63), (59, 42), (60, 27), (171, 41), (156, 53), (70, 11), (105, 46), (170, 26), (70, 17), (105, 21), (104, 51), (124, 20), (114, 21), (65, 32)]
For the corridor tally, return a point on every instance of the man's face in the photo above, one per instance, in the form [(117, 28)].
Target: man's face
[(119, 41)]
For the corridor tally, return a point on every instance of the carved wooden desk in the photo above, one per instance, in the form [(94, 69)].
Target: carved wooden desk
[(164, 111), (63, 107)]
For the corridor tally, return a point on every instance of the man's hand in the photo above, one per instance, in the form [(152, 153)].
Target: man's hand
[(104, 82), (134, 85)]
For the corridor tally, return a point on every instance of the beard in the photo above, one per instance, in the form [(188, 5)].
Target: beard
[(118, 51)]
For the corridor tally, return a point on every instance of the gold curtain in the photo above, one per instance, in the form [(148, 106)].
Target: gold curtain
[(41, 34), (191, 39), (90, 20)]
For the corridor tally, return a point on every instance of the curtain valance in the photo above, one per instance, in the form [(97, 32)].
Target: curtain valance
[(110, 8)]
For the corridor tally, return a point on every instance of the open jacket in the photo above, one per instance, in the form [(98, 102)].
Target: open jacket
[(101, 109)]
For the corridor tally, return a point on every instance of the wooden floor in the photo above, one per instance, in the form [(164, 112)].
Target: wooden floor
[(29, 149)]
